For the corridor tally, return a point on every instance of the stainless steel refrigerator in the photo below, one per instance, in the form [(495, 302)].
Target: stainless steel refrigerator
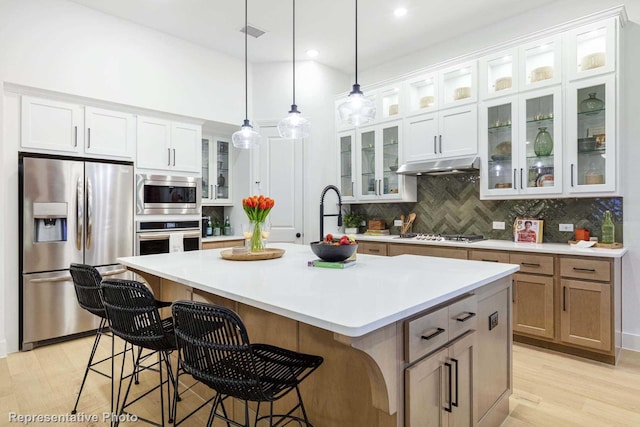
[(71, 212)]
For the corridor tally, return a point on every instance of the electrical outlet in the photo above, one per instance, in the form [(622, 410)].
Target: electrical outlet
[(493, 320), (498, 225), (397, 222), (566, 227)]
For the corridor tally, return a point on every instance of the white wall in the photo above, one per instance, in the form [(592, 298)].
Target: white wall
[(316, 86), (540, 19), (64, 47)]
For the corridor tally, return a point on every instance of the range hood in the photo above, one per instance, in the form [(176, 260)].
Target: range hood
[(441, 167)]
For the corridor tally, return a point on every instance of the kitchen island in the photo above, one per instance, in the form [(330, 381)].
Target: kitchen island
[(357, 319)]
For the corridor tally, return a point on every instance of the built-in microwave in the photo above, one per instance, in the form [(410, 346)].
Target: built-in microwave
[(167, 195)]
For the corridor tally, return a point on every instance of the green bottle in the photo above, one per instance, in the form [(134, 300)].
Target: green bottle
[(608, 229)]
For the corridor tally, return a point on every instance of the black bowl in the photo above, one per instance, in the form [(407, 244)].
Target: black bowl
[(332, 253)]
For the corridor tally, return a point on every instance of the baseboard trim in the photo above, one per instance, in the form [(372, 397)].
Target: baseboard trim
[(630, 341), (3, 349)]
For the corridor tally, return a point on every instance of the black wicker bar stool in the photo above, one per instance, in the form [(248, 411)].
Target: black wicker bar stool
[(134, 316), (86, 281), (214, 347)]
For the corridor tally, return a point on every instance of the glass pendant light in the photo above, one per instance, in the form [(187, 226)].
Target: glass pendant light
[(294, 126), (246, 138), (357, 110)]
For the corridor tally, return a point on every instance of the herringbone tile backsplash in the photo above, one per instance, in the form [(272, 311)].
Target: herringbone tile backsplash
[(451, 205)]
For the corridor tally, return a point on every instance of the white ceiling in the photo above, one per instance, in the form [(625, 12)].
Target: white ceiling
[(325, 25)]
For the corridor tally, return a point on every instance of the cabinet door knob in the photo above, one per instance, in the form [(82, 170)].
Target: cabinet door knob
[(298, 235)]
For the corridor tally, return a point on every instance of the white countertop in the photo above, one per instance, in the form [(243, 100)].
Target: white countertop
[(220, 238), (505, 245), (376, 292)]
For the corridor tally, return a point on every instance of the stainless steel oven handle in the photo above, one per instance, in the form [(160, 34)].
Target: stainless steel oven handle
[(50, 280), (114, 272), (163, 236)]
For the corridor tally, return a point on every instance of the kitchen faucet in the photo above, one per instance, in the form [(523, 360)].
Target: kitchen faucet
[(322, 215)]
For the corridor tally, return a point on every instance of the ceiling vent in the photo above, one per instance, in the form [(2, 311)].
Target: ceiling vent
[(252, 31)]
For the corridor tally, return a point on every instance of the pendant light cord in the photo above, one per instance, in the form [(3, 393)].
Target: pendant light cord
[(294, 52), (356, 41), (246, 79)]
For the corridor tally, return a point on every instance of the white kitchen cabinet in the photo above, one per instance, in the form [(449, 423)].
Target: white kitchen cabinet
[(379, 148), (169, 146), (591, 50), (388, 102), (216, 171), (439, 388), (498, 74), (445, 134), (540, 63), (517, 161), (458, 85), (347, 164), (591, 136), (63, 127), (52, 125), (109, 133), (421, 94)]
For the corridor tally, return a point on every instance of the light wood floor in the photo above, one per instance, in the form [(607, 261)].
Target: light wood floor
[(549, 389)]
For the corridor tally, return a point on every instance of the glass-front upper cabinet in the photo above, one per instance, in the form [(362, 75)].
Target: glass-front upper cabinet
[(379, 157), (389, 104), (522, 145), (591, 50), (499, 74), (458, 85), (540, 63), (347, 162), (421, 94), (591, 134), (499, 145), (540, 135), (216, 171)]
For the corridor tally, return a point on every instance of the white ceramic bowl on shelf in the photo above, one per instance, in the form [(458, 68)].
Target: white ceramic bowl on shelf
[(461, 92), (593, 60), (503, 83), (541, 73)]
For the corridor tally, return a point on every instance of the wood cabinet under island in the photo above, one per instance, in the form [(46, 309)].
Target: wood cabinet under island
[(374, 324)]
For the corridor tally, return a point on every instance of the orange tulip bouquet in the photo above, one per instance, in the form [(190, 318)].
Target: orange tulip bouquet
[(257, 208)]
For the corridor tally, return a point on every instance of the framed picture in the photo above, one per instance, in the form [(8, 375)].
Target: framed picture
[(528, 230), (599, 134)]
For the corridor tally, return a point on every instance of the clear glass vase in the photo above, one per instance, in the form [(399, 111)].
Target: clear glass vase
[(256, 242), (543, 145)]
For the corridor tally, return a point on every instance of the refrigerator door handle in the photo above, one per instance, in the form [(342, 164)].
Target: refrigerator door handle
[(79, 215), (89, 238)]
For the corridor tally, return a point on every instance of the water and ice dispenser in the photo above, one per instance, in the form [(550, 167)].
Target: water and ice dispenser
[(50, 222)]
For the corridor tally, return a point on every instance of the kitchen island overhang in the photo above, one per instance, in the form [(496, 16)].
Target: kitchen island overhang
[(353, 317)]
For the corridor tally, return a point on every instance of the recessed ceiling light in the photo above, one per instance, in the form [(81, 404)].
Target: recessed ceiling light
[(312, 53), (401, 11)]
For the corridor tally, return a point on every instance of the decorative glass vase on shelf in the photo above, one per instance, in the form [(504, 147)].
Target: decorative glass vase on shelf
[(591, 104), (543, 145)]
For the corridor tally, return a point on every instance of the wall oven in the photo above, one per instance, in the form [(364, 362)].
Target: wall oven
[(159, 237), (167, 195)]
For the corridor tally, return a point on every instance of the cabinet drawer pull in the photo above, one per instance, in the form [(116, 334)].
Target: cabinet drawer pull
[(521, 185), (373, 250), (514, 179), (435, 145), (440, 143), (174, 157), (437, 332), (489, 260), (572, 174), (88, 137), (75, 136), (169, 157), (564, 298), (530, 264), (585, 270), (448, 365), (465, 316)]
